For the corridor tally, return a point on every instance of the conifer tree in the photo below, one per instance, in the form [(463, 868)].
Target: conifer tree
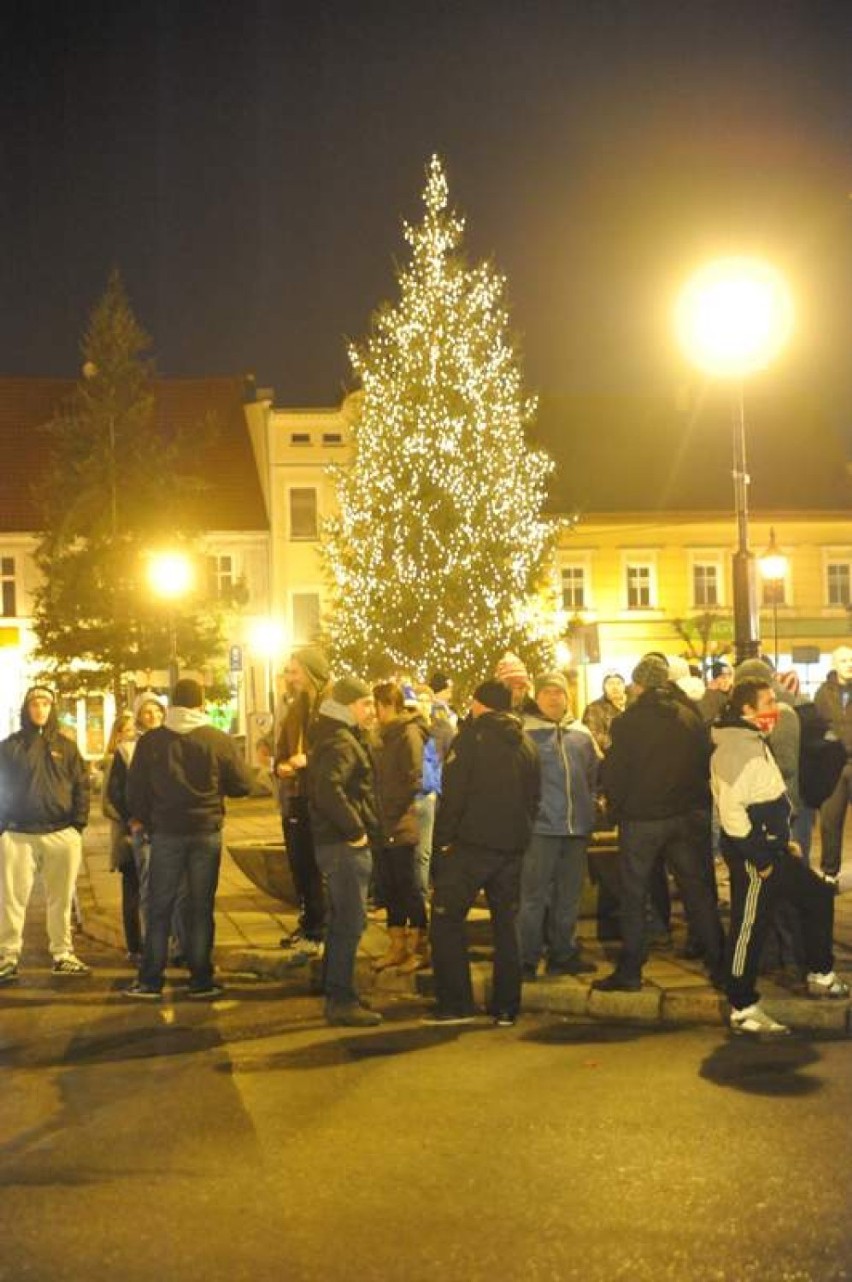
[(108, 495), (439, 539)]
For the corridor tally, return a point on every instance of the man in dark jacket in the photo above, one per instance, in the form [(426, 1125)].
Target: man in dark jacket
[(656, 780), (177, 780), (344, 818), (490, 797), (833, 701), (44, 807)]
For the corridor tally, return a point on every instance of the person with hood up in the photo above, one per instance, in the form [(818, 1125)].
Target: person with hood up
[(490, 796), (833, 702), (344, 815), (399, 777), (765, 867), (44, 807), (307, 676), (177, 780)]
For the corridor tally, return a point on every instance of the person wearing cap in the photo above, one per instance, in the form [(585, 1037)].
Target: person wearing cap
[(307, 675), (656, 780), (512, 673), (44, 807), (490, 796), (344, 814), (713, 700), (554, 865), (178, 779)]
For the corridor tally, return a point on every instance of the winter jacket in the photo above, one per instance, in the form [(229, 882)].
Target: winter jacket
[(491, 785), (44, 781), (834, 702), (569, 768), (658, 764), (399, 777), (297, 733), (180, 774), (341, 783), (754, 809), (599, 716)]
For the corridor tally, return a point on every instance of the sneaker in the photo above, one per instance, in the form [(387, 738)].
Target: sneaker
[(827, 985), (144, 992), (8, 970), (352, 1016), (204, 992), (439, 1017), (505, 1019), (754, 1021), (70, 965), (617, 983)]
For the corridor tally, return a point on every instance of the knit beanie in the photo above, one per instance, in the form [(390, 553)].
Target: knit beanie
[(511, 671), (494, 695), (753, 670), (349, 690), (315, 663), (651, 673), (147, 696), (551, 679)]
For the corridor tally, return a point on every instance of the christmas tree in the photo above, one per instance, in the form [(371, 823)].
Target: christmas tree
[(439, 542)]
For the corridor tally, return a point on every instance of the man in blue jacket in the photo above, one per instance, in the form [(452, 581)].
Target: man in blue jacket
[(555, 862)]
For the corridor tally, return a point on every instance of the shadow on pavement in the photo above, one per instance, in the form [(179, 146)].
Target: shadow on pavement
[(586, 1033), (763, 1068)]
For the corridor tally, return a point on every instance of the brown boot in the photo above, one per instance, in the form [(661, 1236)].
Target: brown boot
[(398, 951), (418, 958)]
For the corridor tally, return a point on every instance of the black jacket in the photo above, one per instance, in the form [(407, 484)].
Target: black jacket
[(491, 785), (833, 701), (176, 781), (44, 781), (341, 785), (659, 762), (399, 776)]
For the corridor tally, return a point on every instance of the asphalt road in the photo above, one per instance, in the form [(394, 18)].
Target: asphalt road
[(246, 1140)]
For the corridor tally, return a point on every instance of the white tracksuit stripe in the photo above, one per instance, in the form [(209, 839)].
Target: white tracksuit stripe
[(749, 915)]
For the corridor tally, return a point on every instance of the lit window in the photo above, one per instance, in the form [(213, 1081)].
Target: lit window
[(221, 579), (303, 514), (573, 587), (8, 595), (839, 583), (705, 583), (639, 586)]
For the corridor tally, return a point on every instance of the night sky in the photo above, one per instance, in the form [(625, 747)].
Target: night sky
[(247, 166)]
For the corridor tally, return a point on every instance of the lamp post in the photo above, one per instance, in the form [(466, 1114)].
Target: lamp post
[(170, 575), (732, 318), (773, 571), (268, 640)]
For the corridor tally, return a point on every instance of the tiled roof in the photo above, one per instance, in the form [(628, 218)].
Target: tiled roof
[(232, 498), (645, 454)]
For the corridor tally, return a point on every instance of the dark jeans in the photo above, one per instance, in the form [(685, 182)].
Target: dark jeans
[(832, 817), (347, 874), (131, 907), (459, 875), (403, 896), (307, 878), (195, 857), (753, 901), (644, 842)]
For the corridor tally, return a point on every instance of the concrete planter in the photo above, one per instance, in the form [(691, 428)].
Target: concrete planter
[(266, 866)]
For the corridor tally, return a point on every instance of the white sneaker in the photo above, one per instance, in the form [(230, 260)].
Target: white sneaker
[(827, 985), (754, 1021), (70, 965)]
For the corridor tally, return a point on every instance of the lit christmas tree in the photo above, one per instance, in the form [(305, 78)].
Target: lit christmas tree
[(440, 541)]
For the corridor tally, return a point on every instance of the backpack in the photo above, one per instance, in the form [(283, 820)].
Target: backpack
[(822, 757)]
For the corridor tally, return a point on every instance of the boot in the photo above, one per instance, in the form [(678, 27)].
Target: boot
[(418, 957), (398, 951)]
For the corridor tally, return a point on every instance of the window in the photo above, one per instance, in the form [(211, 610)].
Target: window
[(574, 587), (303, 513), (300, 438), (639, 586), (332, 438), (221, 579), (306, 617), (838, 576), (705, 583), (8, 601)]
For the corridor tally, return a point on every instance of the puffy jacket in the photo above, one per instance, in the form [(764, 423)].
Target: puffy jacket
[(754, 809), (658, 765), (569, 769), (44, 781), (399, 777), (341, 783), (491, 785)]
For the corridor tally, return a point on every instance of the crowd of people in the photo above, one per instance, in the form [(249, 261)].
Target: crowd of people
[(394, 798)]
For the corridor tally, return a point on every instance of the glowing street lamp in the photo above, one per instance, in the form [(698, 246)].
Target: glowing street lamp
[(171, 576), (268, 640), (732, 319), (773, 570)]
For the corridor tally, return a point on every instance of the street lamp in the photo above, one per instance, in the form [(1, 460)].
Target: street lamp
[(773, 571), (732, 318), (268, 640), (171, 576)]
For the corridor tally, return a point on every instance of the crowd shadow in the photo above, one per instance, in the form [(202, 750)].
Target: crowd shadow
[(771, 1068)]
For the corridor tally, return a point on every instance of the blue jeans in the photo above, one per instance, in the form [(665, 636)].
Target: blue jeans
[(174, 857), (347, 871), (426, 806), (552, 877)]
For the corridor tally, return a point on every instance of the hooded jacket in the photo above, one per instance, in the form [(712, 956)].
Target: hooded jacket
[(491, 786), (399, 776), (834, 702), (180, 774), (569, 770), (44, 781), (658, 765), (754, 809), (340, 780)]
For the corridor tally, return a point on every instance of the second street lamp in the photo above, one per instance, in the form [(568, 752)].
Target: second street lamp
[(170, 575), (773, 571)]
